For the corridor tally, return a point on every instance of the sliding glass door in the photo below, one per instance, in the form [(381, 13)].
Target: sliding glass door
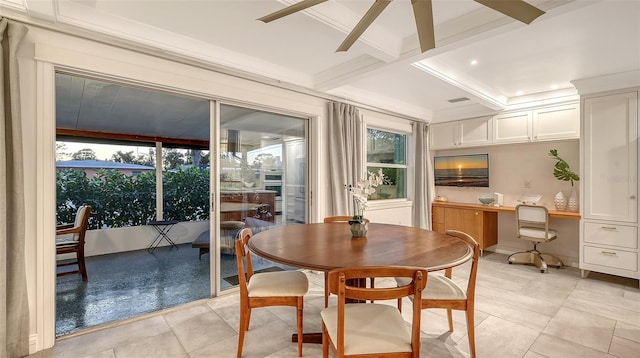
[(263, 171)]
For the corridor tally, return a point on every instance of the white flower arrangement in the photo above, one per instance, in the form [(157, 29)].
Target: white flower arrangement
[(361, 192)]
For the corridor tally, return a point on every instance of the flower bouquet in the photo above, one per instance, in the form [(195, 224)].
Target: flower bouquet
[(360, 193)]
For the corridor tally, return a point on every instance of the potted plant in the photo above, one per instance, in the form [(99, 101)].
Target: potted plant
[(360, 193), (562, 171)]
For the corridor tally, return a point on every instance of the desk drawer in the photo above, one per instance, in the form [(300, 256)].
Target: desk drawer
[(608, 257), (611, 234)]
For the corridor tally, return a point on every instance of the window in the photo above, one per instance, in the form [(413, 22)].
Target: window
[(388, 150)]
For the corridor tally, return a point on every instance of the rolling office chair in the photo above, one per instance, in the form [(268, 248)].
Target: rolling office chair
[(533, 225)]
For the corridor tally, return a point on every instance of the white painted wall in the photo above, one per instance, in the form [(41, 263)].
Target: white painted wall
[(40, 53), (509, 166)]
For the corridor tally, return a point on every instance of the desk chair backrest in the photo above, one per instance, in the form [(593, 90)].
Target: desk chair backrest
[(532, 221)]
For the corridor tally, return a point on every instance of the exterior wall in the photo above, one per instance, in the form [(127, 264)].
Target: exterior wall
[(92, 172)]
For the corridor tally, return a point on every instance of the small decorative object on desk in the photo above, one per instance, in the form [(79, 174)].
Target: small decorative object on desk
[(360, 193), (562, 171), (486, 200)]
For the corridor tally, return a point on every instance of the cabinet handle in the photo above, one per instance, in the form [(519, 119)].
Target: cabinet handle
[(608, 253), (477, 213), (608, 228)]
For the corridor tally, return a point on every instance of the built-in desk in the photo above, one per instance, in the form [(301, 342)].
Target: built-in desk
[(479, 221)]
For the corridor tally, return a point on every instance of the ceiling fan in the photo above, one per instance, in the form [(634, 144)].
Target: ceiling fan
[(423, 13)]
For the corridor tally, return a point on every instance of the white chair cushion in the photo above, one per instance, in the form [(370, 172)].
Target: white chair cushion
[(438, 287), (279, 284), (369, 328), (537, 233)]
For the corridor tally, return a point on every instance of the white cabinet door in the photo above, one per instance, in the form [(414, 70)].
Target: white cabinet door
[(463, 133), (557, 122), (611, 157), (443, 135), (512, 127), (475, 131)]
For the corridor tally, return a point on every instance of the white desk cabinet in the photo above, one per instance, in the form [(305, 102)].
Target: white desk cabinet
[(539, 124), (609, 229), (464, 133)]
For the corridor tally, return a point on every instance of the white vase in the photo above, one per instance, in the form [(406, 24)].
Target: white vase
[(560, 201), (573, 205)]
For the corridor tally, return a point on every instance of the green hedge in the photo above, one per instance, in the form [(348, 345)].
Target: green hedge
[(120, 200)]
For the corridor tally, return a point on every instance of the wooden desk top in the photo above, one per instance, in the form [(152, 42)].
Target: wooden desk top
[(502, 209), (329, 246)]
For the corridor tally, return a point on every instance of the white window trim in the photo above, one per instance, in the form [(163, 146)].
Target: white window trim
[(397, 202)]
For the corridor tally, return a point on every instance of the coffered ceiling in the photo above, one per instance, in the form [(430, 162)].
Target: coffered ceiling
[(516, 63)]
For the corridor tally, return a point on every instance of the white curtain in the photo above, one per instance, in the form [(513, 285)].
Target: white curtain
[(424, 188), (346, 154), (14, 308)]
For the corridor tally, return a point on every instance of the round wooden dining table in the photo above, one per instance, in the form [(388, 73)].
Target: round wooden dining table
[(327, 246)]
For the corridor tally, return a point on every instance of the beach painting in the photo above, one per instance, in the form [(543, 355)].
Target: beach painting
[(462, 170)]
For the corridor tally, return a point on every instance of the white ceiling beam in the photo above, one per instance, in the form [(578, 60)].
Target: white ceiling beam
[(40, 9), (379, 42), (475, 26)]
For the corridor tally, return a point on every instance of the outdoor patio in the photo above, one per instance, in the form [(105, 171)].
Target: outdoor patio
[(133, 283)]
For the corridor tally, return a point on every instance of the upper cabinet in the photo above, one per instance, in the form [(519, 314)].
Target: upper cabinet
[(545, 123), (464, 133), (539, 124)]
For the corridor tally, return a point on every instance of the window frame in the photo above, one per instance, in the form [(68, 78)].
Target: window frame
[(380, 203)]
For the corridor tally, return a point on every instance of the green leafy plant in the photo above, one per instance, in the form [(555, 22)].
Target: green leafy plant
[(561, 170), (120, 200)]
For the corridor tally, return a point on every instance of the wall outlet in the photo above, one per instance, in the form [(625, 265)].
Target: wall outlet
[(527, 184)]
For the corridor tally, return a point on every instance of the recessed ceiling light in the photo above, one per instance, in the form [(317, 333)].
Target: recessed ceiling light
[(519, 93), (554, 86), (473, 62)]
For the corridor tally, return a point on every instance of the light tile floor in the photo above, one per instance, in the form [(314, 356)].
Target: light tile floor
[(519, 313)]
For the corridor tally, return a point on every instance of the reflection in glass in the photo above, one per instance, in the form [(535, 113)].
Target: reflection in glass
[(263, 159)]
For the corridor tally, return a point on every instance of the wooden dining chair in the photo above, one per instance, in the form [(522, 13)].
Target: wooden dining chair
[(444, 292), (336, 219), (283, 288), (70, 238), (372, 329)]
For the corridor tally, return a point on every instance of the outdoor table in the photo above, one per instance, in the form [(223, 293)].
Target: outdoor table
[(162, 227)]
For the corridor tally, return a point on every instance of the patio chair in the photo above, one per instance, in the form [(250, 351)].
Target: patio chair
[(70, 238)]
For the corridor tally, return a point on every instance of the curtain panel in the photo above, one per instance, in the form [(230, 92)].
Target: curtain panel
[(346, 154), (14, 306), (423, 177)]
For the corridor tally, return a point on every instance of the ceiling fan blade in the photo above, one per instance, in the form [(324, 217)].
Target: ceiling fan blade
[(363, 24), (423, 12), (517, 9), (290, 10)]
